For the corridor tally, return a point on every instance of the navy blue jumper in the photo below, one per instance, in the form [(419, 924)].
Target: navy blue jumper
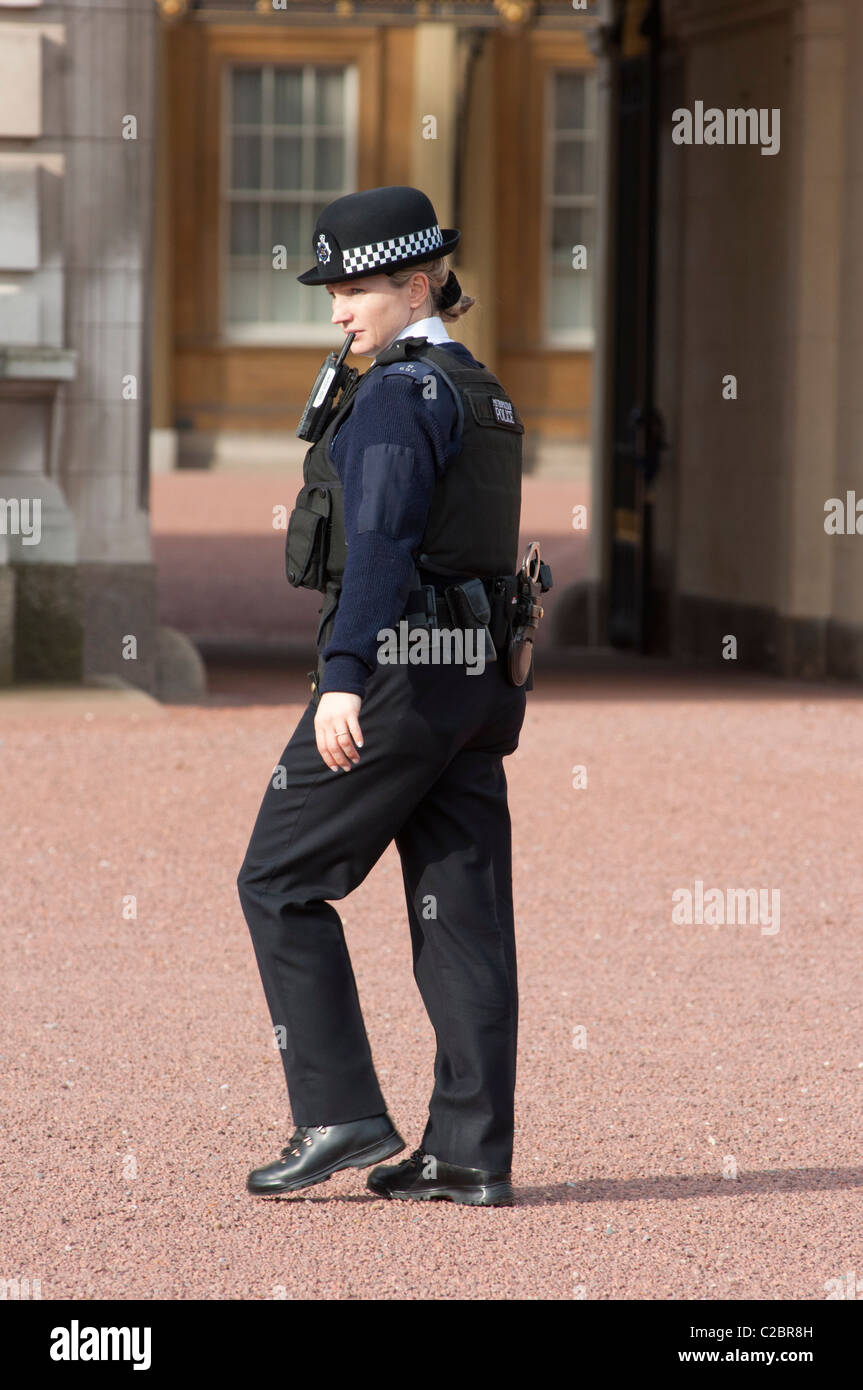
[(389, 453)]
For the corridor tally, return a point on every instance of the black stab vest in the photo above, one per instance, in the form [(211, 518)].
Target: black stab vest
[(473, 521)]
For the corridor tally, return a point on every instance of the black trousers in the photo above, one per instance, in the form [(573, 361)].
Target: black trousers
[(431, 777)]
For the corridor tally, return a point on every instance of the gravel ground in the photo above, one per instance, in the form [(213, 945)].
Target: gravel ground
[(688, 1103)]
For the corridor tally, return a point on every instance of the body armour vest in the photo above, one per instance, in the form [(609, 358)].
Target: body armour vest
[(473, 521)]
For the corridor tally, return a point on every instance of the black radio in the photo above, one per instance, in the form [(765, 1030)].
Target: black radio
[(332, 377)]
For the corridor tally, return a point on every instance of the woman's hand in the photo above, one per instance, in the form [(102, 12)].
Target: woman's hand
[(337, 729)]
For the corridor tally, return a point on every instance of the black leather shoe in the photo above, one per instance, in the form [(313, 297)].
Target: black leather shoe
[(315, 1152), (422, 1178)]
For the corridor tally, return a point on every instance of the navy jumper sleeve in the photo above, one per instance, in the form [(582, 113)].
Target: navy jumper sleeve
[(389, 453)]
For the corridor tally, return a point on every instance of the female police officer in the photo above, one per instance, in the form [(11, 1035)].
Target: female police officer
[(413, 490)]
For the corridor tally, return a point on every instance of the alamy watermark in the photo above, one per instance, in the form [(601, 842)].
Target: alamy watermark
[(16, 1288), (734, 126), (844, 518), (21, 516), (719, 906), (845, 1286), (77, 1343), (437, 646)]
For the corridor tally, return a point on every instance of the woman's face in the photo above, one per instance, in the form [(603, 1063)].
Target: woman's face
[(376, 309)]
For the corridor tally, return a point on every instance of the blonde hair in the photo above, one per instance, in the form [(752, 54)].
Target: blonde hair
[(437, 271)]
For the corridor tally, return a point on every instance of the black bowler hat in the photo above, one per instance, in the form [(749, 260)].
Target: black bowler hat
[(376, 231)]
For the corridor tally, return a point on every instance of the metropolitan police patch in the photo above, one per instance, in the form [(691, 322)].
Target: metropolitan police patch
[(323, 250), (496, 411)]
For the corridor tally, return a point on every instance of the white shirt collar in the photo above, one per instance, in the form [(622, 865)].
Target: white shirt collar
[(431, 328)]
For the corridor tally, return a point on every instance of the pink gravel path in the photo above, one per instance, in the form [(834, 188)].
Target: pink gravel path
[(140, 1082)]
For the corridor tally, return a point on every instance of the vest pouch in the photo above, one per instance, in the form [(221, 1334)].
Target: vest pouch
[(305, 544)]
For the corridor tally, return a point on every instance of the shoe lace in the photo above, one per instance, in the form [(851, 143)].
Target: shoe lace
[(301, 1135), (416, 1157)]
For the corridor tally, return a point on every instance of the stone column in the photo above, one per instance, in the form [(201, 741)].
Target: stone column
[(816, 132), (42, 634), (736, 215), (435, 94), (845, 637), (475, 254), (90, 283), (108, 196), (163, 435), (590, 625), (40, 613)]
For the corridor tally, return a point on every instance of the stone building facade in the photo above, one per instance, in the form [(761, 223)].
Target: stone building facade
[(712, 365), (77, 106)]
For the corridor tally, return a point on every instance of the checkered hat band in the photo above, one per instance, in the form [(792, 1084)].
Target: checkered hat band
[(398, 248)]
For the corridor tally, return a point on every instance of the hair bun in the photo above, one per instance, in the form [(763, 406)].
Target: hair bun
[(451, 291)]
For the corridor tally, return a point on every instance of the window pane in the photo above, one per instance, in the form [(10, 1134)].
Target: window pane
[(570, 300), (288, 96), (571, 227), (315, 210), (243, 296), (590, 91), (245, 234), (286, 228), (574, 166), (246, 86), (569, 101), (283, 300), (329, 98), (304, 169), (246, 161), (315, 305), (287, 161), (329, 162)]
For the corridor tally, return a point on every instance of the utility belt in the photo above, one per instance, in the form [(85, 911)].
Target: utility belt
[(501, 607), (483, 604)]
